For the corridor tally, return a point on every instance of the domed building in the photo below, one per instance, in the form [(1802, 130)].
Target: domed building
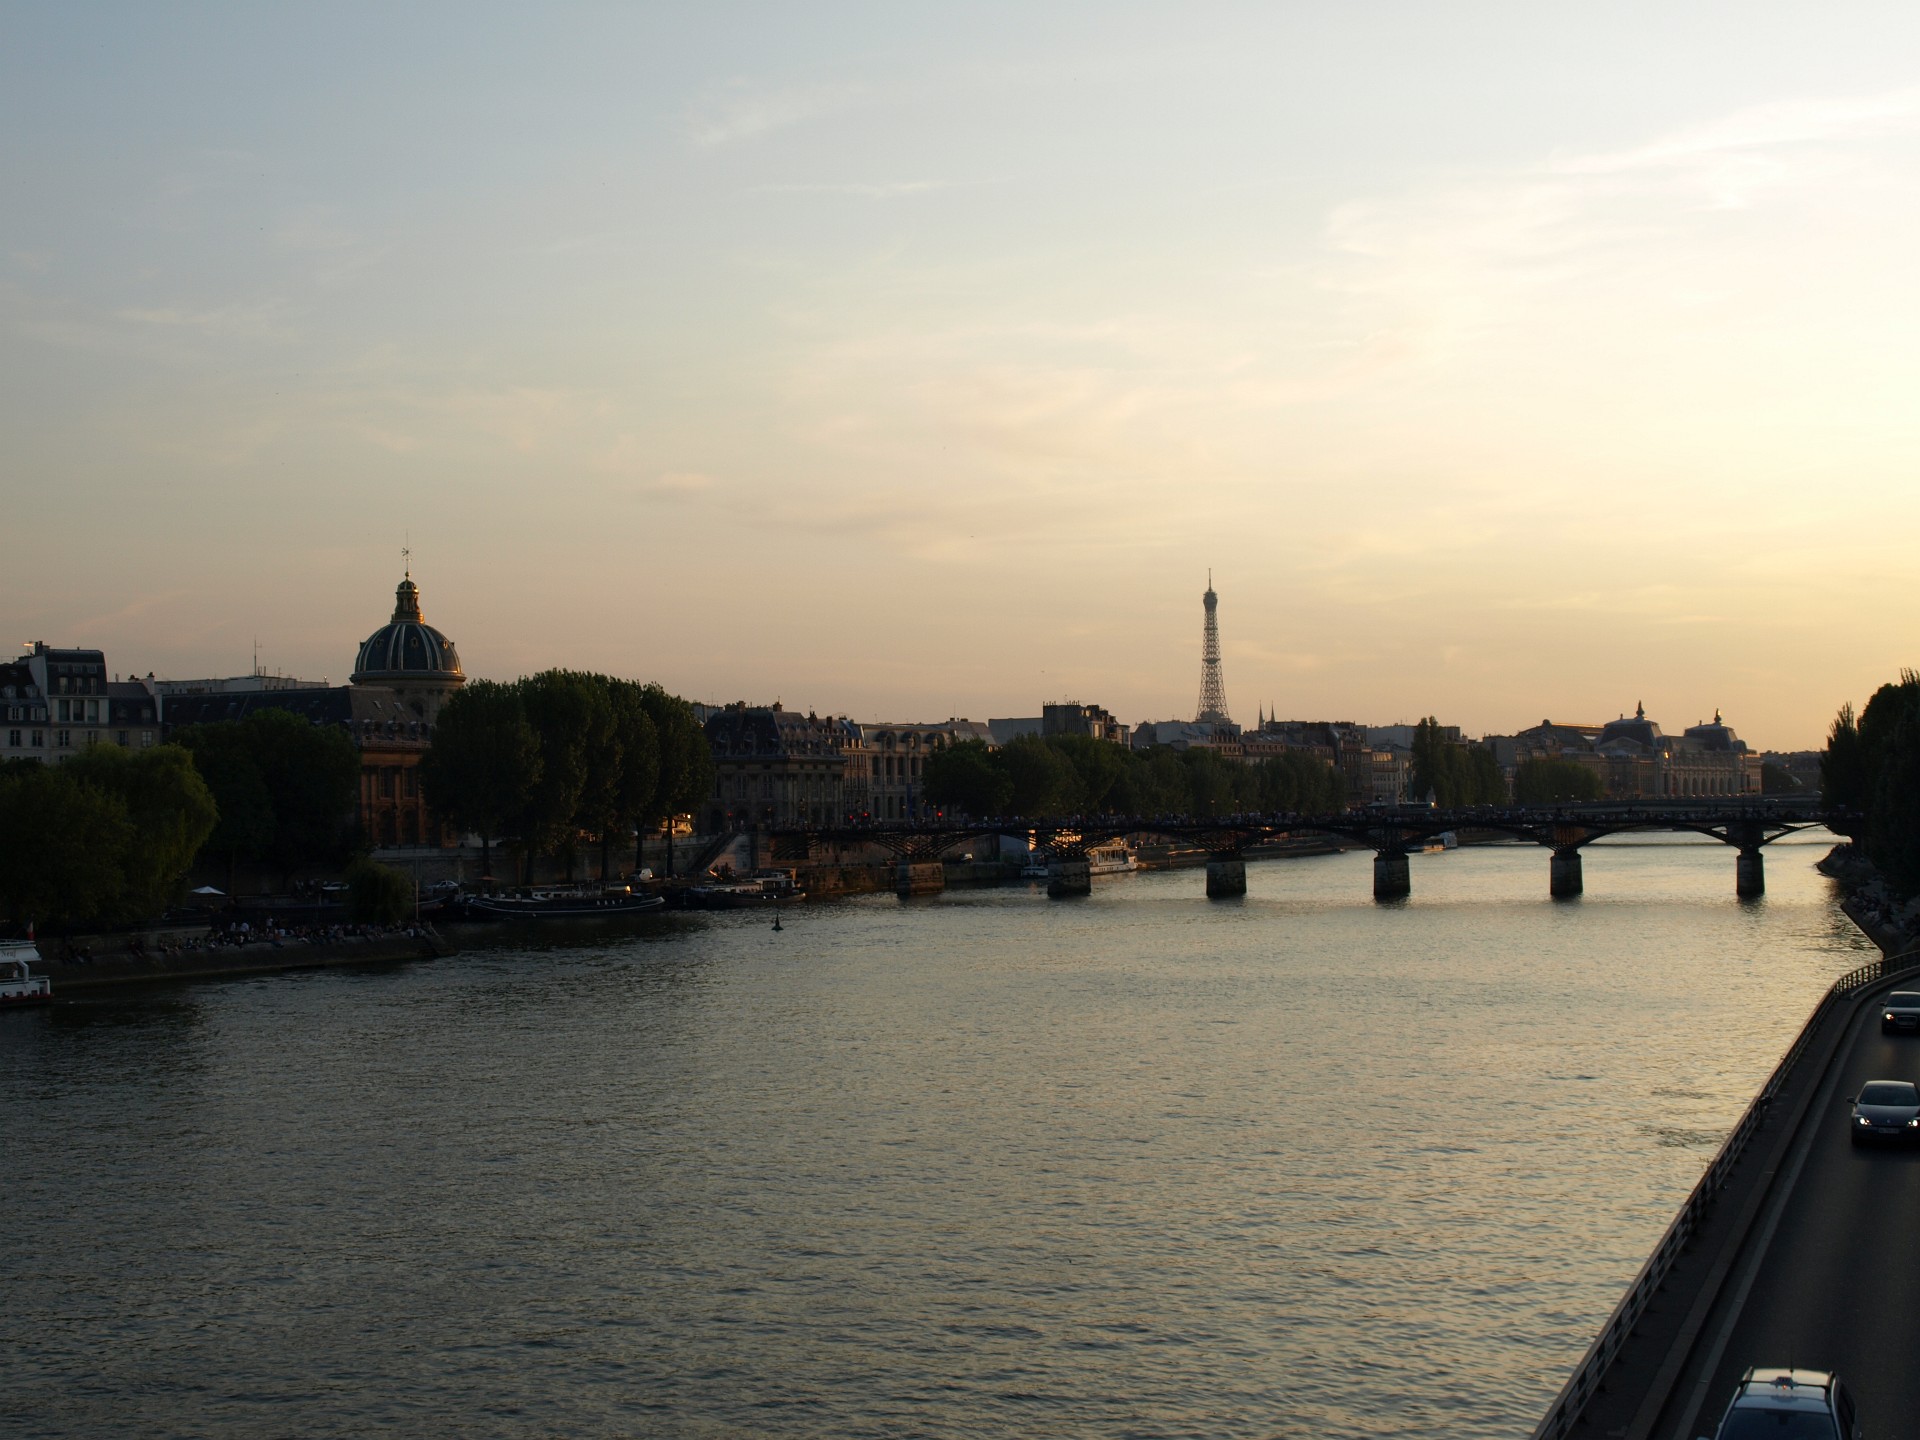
[(410, 658)]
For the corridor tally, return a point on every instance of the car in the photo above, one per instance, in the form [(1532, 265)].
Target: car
[(1901, 1012), (1777, 1402), (1886, 1110)]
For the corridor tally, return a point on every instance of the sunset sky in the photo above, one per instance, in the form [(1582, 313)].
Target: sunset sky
[(1502, 361)]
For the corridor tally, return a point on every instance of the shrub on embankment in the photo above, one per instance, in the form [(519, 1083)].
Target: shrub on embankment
[(377, 894)]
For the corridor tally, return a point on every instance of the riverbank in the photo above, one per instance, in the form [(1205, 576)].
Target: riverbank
[(259, 957), (1891, 924)]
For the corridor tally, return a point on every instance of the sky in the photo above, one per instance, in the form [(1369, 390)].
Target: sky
[(1501, 361)]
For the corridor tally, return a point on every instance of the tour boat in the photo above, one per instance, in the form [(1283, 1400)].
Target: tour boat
[(559, 904), (18, 984), (1114, 859), (767, 888)]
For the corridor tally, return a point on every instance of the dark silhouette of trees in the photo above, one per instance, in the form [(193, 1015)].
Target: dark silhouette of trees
[(1036, 777), (484, 762), (285, 788), (106, 837), (1873, 765), (562, 757), (1546, 781)]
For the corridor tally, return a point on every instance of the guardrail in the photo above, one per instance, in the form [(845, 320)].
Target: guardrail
[(1572, 1400)]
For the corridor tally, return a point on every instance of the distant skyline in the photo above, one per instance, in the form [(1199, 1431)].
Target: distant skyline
[(1502, 361)]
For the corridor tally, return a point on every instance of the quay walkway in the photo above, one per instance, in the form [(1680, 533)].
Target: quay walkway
[(1795, 1248)]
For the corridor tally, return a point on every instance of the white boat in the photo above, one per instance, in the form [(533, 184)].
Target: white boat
[(1114, 859), (1035, 868), (18, 984)]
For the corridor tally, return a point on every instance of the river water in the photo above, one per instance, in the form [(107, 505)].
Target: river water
[(979, 1165)]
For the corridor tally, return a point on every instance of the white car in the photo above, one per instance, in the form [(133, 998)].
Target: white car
[(1776, 1402)]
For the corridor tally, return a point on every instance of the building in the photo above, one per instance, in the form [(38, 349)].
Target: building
[(1635, 759), (1070, 717), (58, 702), (774, 767), (403, 673), (895, 757), (1222, 735)]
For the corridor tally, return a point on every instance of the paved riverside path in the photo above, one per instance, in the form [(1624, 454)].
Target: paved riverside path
[(1813, 1254)]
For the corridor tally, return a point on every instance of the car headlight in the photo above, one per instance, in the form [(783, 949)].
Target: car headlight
[(1861, 1120), (1887, 1016), (1914, 1124)]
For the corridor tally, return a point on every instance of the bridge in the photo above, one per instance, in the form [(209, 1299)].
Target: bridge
[(1392, 833)]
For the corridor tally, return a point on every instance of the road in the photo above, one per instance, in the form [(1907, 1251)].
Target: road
[(1837, 1286)]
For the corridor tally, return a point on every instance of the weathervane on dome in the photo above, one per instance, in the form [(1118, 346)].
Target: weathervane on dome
[(406, 560)]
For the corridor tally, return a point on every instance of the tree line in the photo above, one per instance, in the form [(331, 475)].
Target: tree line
[(1872, 765), (546, 762), (564, 756), (1038, 776)]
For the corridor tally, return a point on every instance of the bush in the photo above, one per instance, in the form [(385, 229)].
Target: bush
[(377, 894)]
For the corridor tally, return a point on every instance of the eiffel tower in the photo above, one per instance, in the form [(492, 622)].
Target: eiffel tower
[(1213, 690)]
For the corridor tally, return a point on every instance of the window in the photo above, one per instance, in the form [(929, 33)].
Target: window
[(123, 738), (13, 739), (146, 737), (93, 712), (413, 783), (63, 739), (64, 713), (39, 738)]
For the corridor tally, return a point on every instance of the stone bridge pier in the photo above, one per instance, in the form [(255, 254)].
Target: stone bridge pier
[(1226, 875), (1392, 875), (911, 878), (1564, 878), (1068, 877)]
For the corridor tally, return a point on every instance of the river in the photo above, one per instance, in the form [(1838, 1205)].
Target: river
[(978, 1165)]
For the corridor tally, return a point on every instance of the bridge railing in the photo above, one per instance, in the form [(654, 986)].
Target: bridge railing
[(1572, 1400)]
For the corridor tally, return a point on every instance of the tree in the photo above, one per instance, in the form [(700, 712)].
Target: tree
[(1843, 766), (968, 777), (484, 762), (686, 760), (64, 846), (1546, 781), (313, 774), (1044, 781), (1873, 765), (243, 828), (638, 778), (560, 706), (309, 775), (171, 812)]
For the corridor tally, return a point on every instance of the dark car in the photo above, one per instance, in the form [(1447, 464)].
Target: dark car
[(1775, 1402), (1886, 1110), (1901, 1012)]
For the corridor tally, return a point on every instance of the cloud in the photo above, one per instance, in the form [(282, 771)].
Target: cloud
[(884, 190), (681, 482), (740, 112), (261, 320)]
